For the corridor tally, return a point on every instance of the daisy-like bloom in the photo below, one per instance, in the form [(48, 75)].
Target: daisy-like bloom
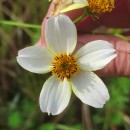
[(96, 6), (61, 6), (70, 72)]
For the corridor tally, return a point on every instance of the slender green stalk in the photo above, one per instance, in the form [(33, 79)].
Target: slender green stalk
[(20, 24), (81, 17), (122, 37)]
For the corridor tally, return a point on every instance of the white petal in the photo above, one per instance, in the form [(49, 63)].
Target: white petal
[(95, 55), (55, 96), (35, 59), (77, 4), (61, 34), (90, 89)]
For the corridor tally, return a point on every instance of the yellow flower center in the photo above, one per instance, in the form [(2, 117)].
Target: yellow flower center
[(101, 6), (65, 66)]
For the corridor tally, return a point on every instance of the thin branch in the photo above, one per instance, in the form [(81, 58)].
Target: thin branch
[(86, 117)]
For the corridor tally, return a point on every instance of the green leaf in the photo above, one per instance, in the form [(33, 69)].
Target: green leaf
[(78, 127), (117, 119), (47, 126), (15, 120), (28, 106)]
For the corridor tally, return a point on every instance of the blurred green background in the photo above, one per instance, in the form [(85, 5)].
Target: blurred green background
[(19, 89)]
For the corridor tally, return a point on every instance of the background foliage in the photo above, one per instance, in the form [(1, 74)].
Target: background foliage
[(19, 89)]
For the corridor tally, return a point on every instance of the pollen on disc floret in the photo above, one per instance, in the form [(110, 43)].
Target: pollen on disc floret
[(65, 66), (101, 6)]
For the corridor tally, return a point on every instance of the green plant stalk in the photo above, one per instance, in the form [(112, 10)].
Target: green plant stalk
[(122, 37), (81, 17), (20, 24)]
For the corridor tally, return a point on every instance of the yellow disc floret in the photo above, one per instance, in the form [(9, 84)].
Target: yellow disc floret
[(101, 6), (65, 66)]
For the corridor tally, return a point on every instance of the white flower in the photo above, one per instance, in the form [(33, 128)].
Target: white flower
[(69, 72), (61, 6)]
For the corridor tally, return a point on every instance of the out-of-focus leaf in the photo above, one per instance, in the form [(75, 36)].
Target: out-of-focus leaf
[(15, 119), (78, 127), (47, 126)]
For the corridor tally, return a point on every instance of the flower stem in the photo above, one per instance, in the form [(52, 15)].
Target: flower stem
[(81, 17), (20, 24), (122, 37)]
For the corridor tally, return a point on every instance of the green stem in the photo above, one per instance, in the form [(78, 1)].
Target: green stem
[(81, 17), (20, 24), (122, 37)]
